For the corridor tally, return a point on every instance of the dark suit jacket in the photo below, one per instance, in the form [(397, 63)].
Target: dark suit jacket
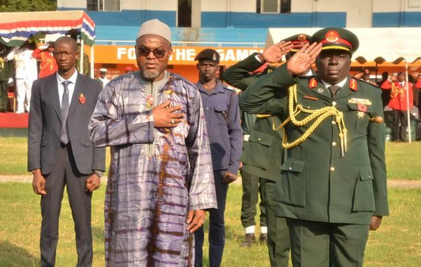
[(45, 125)]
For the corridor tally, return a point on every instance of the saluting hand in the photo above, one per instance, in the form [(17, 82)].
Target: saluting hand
[(301, 61), (274, 53), (165, 116)]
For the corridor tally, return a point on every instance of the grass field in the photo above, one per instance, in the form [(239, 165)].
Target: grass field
[(402, 159), (396, 243)]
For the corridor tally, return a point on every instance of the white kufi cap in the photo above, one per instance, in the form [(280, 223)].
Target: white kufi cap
[(156, 27)]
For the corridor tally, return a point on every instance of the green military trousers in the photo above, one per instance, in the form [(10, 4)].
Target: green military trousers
[(251, 187), (4, 86), (324, 244), (278, 233)]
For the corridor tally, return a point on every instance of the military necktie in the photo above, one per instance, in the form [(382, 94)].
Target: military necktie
[(64, 111), (334, 89)]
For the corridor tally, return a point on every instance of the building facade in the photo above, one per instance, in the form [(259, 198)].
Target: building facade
[(236, 27)]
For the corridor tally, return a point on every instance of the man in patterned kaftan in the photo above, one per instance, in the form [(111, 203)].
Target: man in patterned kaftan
[(160, 180)]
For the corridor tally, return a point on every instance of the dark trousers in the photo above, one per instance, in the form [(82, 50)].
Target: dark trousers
[(4, 86), (216, 226), (64, 174), (400, 123), (252, 186), (324, 244), (278, 233)]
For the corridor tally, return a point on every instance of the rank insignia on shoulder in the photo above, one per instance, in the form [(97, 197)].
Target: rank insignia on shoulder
[(353, 85), (363, 101), (312, 83)]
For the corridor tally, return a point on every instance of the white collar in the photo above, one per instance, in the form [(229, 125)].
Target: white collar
[(340, 84), (72, 78)]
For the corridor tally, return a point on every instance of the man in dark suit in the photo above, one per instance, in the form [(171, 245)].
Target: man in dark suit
[(333, 178), (60, 152)]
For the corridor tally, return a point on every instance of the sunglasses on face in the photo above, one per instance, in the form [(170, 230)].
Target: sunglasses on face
[(143, 51)]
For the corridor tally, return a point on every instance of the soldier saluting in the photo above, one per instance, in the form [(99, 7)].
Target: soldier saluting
[(333, 184)]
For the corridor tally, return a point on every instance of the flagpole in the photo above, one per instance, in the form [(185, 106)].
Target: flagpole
[(408, 112)]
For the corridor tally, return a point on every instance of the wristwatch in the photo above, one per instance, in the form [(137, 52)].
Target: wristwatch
[(99, 173)]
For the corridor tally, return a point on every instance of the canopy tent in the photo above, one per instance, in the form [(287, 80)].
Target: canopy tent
[(17, 27), (377, 45)]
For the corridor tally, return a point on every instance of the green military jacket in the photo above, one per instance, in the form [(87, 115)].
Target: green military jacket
[(318, 183), (7, 70), (262, 154)]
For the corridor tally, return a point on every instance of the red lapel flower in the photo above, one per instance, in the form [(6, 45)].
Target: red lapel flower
[(82, 99), (361, 107), (149, 101)]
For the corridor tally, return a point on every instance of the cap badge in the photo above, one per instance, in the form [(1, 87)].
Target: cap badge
[(214, 57), (332, 36), (302, 37)]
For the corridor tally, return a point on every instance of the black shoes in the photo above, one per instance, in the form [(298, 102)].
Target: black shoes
[(263, 239), (249, 240)]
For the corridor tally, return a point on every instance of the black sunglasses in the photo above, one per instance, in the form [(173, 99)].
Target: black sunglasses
[(143, 51)]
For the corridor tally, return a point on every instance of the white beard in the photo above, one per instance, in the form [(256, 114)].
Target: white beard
[(150, 74)]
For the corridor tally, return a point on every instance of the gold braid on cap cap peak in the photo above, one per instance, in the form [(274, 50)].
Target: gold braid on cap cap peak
[(320, 114), (336, 47)]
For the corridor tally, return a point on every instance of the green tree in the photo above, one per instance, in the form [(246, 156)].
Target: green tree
[(25, 5)]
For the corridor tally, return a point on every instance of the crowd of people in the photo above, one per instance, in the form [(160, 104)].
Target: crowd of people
[(20, 66), (311, 143), (401, 100)]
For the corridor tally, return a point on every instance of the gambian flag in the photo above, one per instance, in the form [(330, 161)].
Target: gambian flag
[(17, 27)]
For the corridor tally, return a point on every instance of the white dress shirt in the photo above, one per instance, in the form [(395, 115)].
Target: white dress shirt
[(71, 86)]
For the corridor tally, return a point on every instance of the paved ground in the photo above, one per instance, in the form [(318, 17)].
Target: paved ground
[(394, 183)]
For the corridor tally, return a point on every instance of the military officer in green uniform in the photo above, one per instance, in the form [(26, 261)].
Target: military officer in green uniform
[(6, 72), (251, 188), (333, 179), (262, 155), (86, 64)]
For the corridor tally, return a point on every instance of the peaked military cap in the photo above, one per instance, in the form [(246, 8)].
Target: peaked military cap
[(208, 54), (298, 41), (336, 38)]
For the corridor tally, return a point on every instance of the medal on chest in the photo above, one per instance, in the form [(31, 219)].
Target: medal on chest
[(149, 101), (361, 110)]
